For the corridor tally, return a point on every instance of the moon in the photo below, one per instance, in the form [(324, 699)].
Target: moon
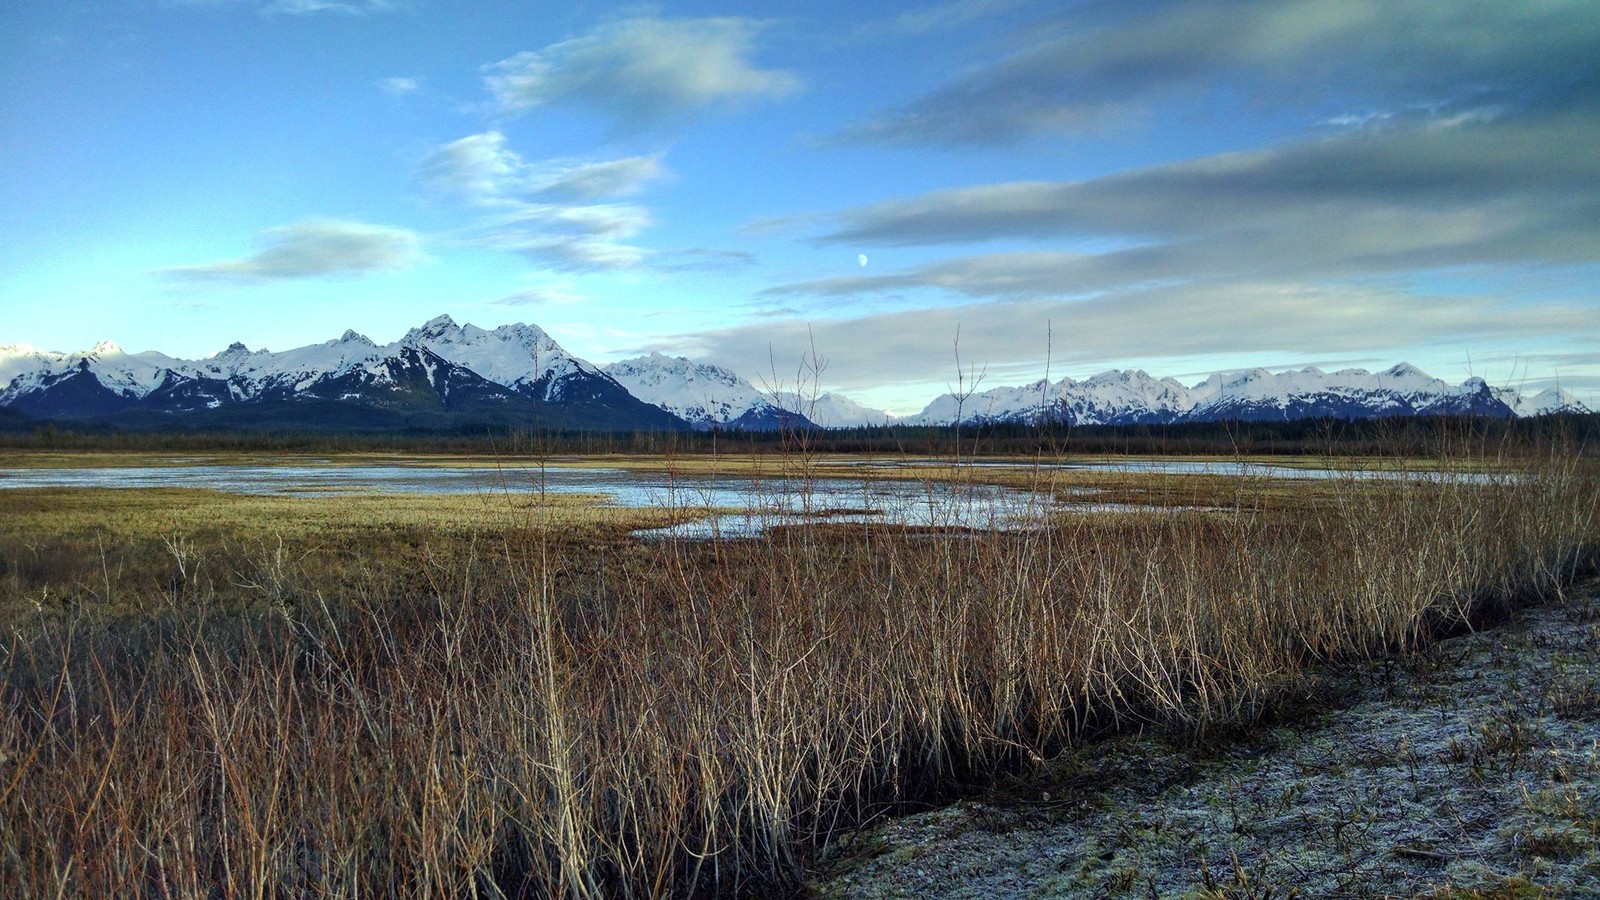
[(861, 259)]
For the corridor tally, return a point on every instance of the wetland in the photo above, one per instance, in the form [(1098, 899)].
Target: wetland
[(536, 675)]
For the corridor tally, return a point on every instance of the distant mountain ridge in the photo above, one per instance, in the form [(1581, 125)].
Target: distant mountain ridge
[(444, 375), (1133, 397)]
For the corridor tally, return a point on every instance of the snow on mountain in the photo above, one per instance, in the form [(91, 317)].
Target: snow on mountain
[(1550, 400), (521, 357), (1133, 396), (17, 360), (463, 365), (835, 410), (699, 393), (1402, 389), (1109, 398), (259, 373), (24, 369), (706, 395), (456, 364)]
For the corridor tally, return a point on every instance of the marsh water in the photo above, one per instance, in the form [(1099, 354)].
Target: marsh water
[(1233, 468), (744, 506), (748, 506)]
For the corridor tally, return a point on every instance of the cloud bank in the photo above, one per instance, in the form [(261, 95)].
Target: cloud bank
[(563, 214), (1107, 61), (1009, 337), (314, 249), (642, 72), (1462, 195)]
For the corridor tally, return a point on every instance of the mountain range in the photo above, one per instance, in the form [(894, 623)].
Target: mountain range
[(439, 375), (442, 375), (1133, 397)]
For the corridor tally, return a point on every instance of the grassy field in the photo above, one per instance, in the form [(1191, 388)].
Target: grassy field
[(205, 694)]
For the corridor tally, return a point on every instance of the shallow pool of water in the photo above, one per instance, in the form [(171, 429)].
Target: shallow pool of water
[(759, 504), (1235, 468)]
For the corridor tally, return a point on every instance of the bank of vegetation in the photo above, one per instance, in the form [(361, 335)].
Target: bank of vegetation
[(539, 709)]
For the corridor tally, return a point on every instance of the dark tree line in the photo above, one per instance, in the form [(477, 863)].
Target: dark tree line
[(1424, 435)]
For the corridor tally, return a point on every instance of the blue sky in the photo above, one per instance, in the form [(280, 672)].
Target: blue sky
[(1178, 185)]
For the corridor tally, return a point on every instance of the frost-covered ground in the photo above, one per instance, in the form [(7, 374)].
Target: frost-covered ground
[(1471, 769)]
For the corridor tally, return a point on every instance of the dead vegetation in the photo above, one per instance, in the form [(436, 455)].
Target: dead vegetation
[(548, 710)]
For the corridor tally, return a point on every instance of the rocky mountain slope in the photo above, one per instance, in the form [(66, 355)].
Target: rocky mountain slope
[(438, 375), (445, 375), (1134, 397)]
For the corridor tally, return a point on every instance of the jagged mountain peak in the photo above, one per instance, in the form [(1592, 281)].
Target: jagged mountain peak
[(520, 362), (658, 365), (233, 354), (443, 330), (701, 394), (438, 328), (526, 334), (439, 372), (1133, 398), (1247, 376), (1112, 376)]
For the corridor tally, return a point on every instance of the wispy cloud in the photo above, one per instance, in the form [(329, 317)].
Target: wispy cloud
[(344, 7), (556, 293), (478, 169), (298, 7), (1394, 200), (703, 259), (1106, 61), (938, 17), (592, 181), (561, 213), (317, 248), (571, 238), (642, 72), (482, 169), (399, 87)]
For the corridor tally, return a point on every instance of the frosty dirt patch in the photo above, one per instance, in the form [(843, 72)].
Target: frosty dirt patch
[(1470, 769)]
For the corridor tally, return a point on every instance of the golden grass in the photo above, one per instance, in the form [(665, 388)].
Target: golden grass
[(412, 712), (158, 512)]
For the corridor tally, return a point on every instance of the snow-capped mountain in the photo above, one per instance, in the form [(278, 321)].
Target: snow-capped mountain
[(1134, 397), (1109, 398), (710, 396), (444, 375), (1546, 402), (439, 375), (835, 410), (703, 395)]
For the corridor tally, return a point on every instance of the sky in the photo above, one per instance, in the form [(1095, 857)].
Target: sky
[(905, 198)]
